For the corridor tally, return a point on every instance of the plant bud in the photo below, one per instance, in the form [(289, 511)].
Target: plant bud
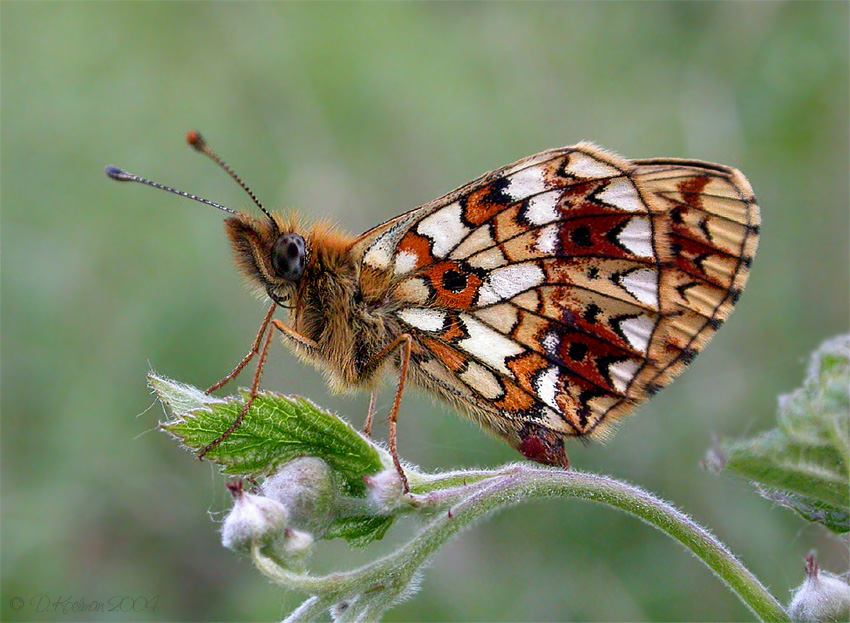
[(252, 517), (298, 545), (822, 597), (384, 491), (306, 487)]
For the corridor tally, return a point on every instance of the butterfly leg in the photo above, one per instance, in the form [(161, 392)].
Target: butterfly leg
[(254, 390), (300, 340), (255, 349), (296, 340), (405, 342), (370, 415)]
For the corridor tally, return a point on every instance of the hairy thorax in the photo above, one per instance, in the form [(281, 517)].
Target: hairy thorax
[(351, 327)]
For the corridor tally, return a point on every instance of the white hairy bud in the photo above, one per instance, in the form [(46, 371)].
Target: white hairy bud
[(822, 597), (253, 517), (306, 487), (384, 491)]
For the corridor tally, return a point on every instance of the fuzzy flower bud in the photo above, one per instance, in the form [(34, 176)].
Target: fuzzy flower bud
[(252, 517), (297, 545), (306, 487), (384, 491), (822, 597)]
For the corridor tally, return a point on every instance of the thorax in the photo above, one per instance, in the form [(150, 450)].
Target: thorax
[(349, 325)]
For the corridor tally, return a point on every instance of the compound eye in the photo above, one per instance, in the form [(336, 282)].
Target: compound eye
[(289, 257)]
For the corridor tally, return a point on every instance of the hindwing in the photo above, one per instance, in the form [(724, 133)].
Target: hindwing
[(564, 289)]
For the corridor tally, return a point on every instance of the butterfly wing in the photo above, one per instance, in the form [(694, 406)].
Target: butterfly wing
[(548, 298), (713, 226)]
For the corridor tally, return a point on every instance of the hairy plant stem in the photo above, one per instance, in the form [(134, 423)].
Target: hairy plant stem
[(365, 593)]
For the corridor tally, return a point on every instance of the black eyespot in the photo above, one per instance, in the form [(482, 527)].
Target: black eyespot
[(289, 257), (577, 351), (581, 236), (454, 281)]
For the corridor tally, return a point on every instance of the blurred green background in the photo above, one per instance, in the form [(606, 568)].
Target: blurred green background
[(358, 112)]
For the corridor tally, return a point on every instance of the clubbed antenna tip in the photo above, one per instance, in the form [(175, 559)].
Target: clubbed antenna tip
[(194, 138), (118, 175), (197, 142)]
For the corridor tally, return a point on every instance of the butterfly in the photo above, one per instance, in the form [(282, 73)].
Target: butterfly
[(544, 300)]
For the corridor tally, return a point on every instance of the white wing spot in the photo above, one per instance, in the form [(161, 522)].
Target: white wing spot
[(445, 229), (479, 239), (546, 385), (405, 261), (641, 284), (487, 345), (547, 240), (621, 193), (379, 251), (503, 283), (543, 208), (638, 331), (623, 372), (636, 237), (425, 319), (582, 165), (527, 182), (551, 342), (488, 259), (502, 317)]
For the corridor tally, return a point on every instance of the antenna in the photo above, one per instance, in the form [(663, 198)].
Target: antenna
[(194, 138), (122, 176)]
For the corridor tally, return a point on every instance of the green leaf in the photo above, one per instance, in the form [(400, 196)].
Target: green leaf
[(360, 531), (835, 519), (276, 430), (804, 463)]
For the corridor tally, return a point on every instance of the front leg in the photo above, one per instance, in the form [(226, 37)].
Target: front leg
[(310, 348), (255, 349), (298, 341)]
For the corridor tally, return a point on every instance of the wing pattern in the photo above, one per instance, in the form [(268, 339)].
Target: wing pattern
[(555, 294)]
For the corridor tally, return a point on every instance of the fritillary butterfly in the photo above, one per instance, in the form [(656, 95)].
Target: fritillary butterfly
[(543, 300)]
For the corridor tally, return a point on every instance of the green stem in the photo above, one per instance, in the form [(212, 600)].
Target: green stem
[(533, 482), (386, 579)]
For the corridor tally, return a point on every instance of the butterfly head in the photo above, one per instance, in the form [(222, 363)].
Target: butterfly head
[(272, 254)]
